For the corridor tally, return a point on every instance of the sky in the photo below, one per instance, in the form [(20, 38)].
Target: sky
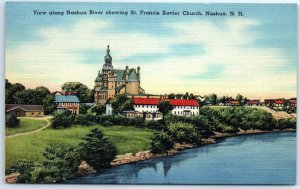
[(254, 55)]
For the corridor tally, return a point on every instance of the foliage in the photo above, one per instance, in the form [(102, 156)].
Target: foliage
[(84, 94), (286, 124), (97, 109), (61, 163), (184, 133), (96, 150), (11, 120), (212, 99), (107, 123), (165, 107), (161, 142), (26, 169), (11, 90), (121, 103), (81, 119), (48, 104), (63, 119)]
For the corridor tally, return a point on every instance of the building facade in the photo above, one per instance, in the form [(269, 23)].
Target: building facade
[(20, 110), (111, 82), (67, 102)]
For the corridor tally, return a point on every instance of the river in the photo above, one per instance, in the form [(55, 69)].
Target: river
[(268, 158)]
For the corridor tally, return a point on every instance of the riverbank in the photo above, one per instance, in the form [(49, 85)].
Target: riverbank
[(128, 158)]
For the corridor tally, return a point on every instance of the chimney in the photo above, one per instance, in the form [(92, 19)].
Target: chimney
[(138, 70), (126, 72)]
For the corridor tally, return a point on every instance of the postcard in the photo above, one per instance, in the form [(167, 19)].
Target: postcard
[(150, 93)]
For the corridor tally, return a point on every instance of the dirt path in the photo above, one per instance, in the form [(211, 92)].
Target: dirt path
[(35, 131)]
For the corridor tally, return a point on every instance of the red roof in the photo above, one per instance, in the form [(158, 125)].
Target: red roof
[(279, 102), (183, 102), (156, 101), (253, 102), (146, 101)]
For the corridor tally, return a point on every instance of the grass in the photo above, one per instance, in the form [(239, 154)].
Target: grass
[(26, 124), (31, 147)]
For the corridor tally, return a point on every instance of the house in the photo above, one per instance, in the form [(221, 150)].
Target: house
[(254, 103), (269, 102), (232, 103), (292, 102), (67, 102), (21, 110), (147, 108), (279, 103), (185, 107), (108, 108)]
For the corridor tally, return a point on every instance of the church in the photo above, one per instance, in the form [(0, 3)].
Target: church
[(111, 82)]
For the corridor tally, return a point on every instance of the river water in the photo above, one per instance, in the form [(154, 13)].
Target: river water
[(250, 159)]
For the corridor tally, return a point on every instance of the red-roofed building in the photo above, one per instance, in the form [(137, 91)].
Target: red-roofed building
[(293, 102), (278, 102), (232, 103), (254, 103), (182, 107)]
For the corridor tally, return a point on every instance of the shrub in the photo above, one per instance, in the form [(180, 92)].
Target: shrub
[(81, 119), (107, 123), (161, 142), (25, 168), (60, 164), (96, 150), (11, 120), (184, 133), (63, 119)]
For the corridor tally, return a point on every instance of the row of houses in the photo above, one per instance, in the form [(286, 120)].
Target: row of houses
[(267, 102), (147, 108)]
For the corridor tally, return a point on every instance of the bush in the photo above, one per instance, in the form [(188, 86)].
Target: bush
[(96, 150), (107, 124), (11, 120), (25, 168), (184, 133), (60, 164), (81, 119), (63, 119), (161, 142)]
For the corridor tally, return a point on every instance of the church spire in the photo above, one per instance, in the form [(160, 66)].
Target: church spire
[(108, 60), (107, 51)]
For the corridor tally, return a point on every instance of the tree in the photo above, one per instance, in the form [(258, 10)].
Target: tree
[(161, 142), (165, 107), (11, 120), (39, 94), (97, 109), (239, 98), (212, 98), (121, 103), (25, 168), (184, 132), (96, 150), (171, 96), (11, 90), (60, 164), (24, 97), (63, 119), (83, 92), (48, 104)]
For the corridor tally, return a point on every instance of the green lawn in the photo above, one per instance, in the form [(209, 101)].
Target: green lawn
[(26, 124), (126, 139)]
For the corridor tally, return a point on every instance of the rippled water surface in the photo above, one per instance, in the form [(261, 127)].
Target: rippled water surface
[(249, 159)]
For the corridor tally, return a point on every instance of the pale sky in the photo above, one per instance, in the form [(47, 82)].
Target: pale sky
[(254, 55)]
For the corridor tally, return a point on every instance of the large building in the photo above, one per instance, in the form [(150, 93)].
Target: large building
[(111, 82)]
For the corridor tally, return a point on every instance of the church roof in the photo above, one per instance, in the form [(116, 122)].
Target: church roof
[(120, 74), (132, 75), (98, 78), (120, 87)]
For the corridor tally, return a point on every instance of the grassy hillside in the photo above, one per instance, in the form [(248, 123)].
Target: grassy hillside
[(26, 124), (126, 139)]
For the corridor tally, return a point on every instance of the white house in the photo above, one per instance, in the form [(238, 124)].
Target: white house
[(183, 107)]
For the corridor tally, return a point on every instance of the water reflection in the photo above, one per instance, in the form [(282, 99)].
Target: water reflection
[(240, 157)]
